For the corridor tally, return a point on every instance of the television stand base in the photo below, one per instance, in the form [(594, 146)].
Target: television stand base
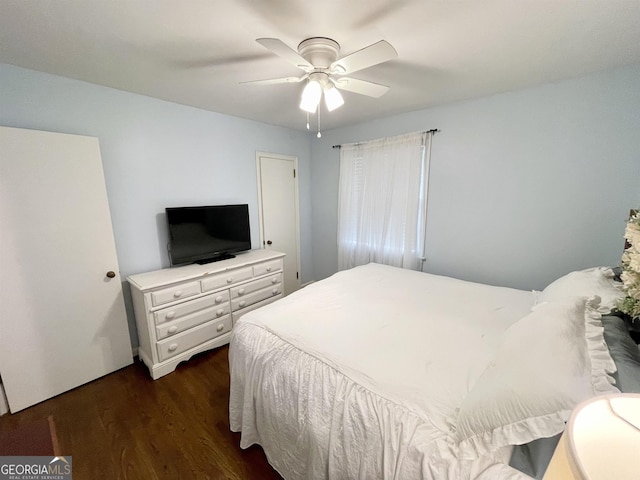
[(226, 256)]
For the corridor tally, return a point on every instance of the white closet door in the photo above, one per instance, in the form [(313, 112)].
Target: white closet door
[(277, 185), (62, 318)]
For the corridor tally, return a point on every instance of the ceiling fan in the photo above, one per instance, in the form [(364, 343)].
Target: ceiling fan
[(318, 58)]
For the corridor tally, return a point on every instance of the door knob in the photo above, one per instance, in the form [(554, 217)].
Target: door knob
[(269, 242), (111, 274)]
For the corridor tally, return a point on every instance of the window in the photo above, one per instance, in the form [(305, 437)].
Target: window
[(382, 203)]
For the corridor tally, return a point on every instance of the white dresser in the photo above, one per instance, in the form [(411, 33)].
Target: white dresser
[(186, 310)]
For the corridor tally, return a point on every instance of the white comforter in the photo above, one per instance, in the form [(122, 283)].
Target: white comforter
[(360, 375)]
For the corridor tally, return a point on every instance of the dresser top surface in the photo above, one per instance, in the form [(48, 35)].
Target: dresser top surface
[(166, 276)]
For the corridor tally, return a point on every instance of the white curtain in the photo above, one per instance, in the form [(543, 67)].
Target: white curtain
[(382, 201)]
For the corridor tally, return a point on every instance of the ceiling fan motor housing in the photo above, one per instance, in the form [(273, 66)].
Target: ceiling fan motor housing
[(320, 52)]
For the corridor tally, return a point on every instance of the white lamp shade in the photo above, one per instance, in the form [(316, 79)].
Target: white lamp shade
[(311, 96), (601, 441), (332, 97)]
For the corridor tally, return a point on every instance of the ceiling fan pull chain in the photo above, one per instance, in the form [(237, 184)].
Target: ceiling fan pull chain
[(319, 134), (308, 121)]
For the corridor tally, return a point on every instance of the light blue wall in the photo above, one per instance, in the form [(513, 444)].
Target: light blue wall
[(525, 186), (156, 154)]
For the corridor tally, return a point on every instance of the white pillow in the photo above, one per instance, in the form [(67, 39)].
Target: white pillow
[(547, 363), (585, 283)]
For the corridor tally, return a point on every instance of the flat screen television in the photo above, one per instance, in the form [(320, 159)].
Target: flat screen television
[(207, 234)]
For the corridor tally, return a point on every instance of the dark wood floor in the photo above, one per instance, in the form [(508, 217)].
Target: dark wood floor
[(127, 426)]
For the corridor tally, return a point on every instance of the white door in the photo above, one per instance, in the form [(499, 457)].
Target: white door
[(278, 191), (62, 316)]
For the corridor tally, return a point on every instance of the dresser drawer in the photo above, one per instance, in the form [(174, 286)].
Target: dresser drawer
[(236, 315), (247, 288), (246, 300), (225, 279), (177, 292), (176, 311), (188, 321), (193, 337), (267, 267)]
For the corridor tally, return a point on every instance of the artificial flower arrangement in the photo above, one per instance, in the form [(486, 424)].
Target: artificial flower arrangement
[(630, 264)]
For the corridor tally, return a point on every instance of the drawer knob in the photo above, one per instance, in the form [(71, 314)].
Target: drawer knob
[(170, 315), (242, 303), (274, 280), (220, 327), (218, 299), (172, 330), (177, 293), (111, 274), (274, 291), (172, 347), (220, 312), (229, 280), (241, 291), (268, 269)]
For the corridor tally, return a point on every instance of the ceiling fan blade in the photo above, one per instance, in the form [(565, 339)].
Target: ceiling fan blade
[(280, 48), (362, 87), (273, 81), (374, 54)]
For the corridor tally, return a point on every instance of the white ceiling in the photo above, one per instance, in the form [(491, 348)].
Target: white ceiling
[(195, 52)]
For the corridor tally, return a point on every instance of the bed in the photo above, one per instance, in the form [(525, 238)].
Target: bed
[(381, 372)]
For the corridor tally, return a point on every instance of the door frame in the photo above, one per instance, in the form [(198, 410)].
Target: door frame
[(293, 159)]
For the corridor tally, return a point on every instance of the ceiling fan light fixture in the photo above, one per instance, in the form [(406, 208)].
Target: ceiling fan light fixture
[(332, 97), (311, 96), (319, 58)]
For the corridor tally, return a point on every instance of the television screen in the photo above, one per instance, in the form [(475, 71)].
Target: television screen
[(207, 234)]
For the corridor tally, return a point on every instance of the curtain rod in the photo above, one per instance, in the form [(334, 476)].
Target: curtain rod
[(433, 130)]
